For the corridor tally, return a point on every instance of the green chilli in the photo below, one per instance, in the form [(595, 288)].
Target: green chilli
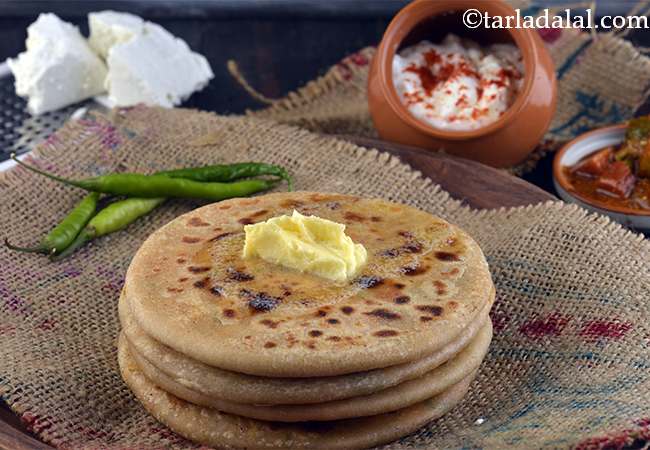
[(229, 172), (151, 186), (114, 217), (61, 236)]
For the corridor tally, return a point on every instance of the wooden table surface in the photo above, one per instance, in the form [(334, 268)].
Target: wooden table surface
[(473, 183)]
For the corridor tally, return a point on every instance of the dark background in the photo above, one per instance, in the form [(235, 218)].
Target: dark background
[(279, 45)]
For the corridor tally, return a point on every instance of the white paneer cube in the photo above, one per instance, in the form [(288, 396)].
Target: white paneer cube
[(154, 68), (58, 68), (108, 28), (146, 63)]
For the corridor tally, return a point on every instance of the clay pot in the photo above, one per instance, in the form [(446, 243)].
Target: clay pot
[(502, 143)]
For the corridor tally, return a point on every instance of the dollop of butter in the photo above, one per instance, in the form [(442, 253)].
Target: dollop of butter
[(308, 244)]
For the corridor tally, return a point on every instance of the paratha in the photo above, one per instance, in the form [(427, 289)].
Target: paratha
[(211, 427), (190, 288), (241, 388), (391, 399)]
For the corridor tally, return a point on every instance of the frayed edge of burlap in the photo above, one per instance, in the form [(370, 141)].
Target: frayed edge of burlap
[(620, 45), (305, 94)]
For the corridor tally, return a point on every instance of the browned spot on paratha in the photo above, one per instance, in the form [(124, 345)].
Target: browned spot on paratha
[(250, 201), (383, 314), (239, 276), (447, 256), (347, 310), (250, 219), (259, 213), (291, 203), (385, 333), (453, 271), (410, 247), (220, 236), (190, 239), (202, 283), (354, 217), (270, 323), (199, 269), (317, 197), (197, 222), (291, 339), (402, 299), (230, 313), (441, 288), (315, 333), (414, 270), (269, 344), (262, 302), (333, 321), (434, 310)]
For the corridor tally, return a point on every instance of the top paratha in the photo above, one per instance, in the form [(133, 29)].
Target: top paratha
[(189, 288)]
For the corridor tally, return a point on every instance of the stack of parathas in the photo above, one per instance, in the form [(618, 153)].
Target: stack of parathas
[(243, 353)]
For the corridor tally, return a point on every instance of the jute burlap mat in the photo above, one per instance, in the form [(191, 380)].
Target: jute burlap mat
[(569, 364), (602, 80)]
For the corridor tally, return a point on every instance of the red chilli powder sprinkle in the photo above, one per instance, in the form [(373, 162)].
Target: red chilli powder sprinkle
[(448, 71)]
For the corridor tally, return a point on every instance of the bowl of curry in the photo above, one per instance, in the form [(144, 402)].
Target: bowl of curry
[(608, 171)]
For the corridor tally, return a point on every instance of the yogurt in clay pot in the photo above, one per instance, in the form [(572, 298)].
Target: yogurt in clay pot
[(458, 85)]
